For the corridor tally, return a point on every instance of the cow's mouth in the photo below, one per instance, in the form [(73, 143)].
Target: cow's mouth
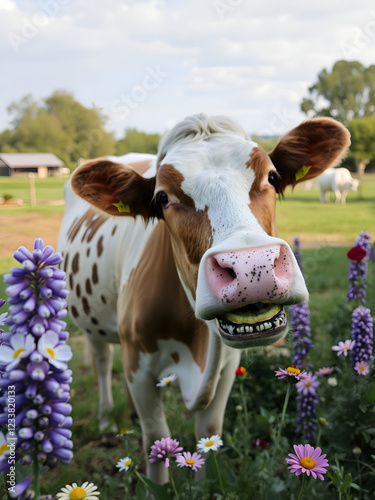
[(259, 321)]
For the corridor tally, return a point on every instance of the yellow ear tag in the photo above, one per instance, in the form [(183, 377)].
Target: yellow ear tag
[(121, 207), (300, 174)]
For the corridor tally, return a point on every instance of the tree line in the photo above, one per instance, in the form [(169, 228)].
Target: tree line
[(61, 125)]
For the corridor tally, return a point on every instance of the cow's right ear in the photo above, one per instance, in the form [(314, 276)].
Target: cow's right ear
[(115, 188)]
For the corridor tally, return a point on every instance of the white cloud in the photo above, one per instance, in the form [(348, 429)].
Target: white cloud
[(256, 58)]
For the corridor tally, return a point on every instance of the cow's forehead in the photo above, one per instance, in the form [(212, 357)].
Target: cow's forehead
[(218, 175)]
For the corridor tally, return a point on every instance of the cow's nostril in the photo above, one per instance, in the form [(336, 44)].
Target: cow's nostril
[(231, 272)]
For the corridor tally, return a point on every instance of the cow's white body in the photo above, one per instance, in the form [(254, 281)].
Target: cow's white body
[(203, 277), (337, 180)]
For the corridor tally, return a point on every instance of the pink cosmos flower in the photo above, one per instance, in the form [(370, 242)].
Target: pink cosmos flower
[(292, 371), (362, 368), (343, 347), (307, 460), (186, 459), (324, 371), (308, 385)]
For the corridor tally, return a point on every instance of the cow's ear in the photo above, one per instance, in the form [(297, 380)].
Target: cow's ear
[(114, 188), (307, 150)]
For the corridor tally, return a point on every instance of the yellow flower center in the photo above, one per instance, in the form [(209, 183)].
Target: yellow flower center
[(308, 383), (210, 443), (346, 347), (293, 369), (128, 462), (77, 494), (362, 368), (307, 462), (3, 448), (190, 461), (124, 430), (168, 381), (18, 352), (51, 352)]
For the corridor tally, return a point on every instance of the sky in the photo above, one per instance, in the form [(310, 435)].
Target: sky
[(150, 63)]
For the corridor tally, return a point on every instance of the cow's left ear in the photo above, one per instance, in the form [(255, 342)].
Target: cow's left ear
[(114, 188), (307, 150)]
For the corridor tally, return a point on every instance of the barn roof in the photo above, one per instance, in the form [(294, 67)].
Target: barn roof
[(25, 160)]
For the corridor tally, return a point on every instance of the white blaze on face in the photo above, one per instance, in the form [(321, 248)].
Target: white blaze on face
[(217, 178)]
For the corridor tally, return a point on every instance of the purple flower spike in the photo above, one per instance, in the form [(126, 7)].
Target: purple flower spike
[(358, 270), (362, 335), (307, 401), (300, 322), (33, 359)]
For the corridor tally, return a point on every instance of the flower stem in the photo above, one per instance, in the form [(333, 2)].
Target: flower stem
[(244, 404), (281, 425), (302, 487), (173, 485), (219, 475), (36, 478)]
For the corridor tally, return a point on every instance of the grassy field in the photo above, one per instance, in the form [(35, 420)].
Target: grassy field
[(96, 456), (326, 233)]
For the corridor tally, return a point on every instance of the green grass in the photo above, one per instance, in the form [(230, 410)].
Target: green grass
[(48, 189), (302, 214)]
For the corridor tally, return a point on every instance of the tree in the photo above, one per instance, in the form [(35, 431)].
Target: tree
[(58, 125), (362, 149), (137, 142), (347, 92)]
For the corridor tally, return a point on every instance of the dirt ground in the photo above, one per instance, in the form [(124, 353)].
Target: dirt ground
[(22, 229)]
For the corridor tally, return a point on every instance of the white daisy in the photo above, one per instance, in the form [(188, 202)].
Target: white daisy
[(167, 380), (20, 347), (124, 463), (211, 443), (56, 354), (332, 381), (75, 492)]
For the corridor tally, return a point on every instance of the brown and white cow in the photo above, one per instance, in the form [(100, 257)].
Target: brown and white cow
[(182, 263)]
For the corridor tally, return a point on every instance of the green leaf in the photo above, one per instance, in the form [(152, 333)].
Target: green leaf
[(347, 481)]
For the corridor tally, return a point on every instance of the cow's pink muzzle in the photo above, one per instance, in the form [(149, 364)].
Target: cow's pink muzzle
[(247, 276)]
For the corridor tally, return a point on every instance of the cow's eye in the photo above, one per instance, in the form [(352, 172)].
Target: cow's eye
[(162, 198), (273, 179)]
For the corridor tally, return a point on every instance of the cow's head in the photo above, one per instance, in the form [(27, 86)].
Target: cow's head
[(216, 191)]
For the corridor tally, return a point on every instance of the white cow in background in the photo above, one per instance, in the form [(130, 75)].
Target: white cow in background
[(338, 180)]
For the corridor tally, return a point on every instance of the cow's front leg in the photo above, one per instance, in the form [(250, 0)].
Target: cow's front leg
[(338, 195), (148, 403), (209, 421), (103, 356)]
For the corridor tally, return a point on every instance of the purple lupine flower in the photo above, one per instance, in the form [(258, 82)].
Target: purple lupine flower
[(307, 401), (362, 334), (358, 270), (33, 356), (164, 449), (297, 252), (300, 327), (300, 321)]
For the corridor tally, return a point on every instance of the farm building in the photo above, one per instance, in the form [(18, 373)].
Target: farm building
[(22, 164)]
